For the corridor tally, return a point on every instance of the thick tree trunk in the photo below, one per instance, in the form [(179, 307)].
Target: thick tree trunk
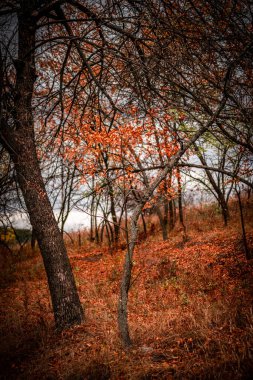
[(33, 240), (65, 300), (18, 138)]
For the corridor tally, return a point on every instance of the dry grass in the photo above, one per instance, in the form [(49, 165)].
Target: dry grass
[(190, 311)]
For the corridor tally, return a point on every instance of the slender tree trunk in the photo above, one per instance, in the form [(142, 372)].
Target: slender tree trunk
[(144, 225), (111, 230), (116, 224), (107, 226), (126, 279), (244, 237), (163, 225), (221, 198), (96, 224), (180, 202), (114, 215), (165, 217), (171, 215), (138, 198), (170, 207), (102, 232), (20, 142), (79, 239), (92, 212), (224, 209)]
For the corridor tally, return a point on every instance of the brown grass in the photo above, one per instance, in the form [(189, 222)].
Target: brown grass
[(190, 310)]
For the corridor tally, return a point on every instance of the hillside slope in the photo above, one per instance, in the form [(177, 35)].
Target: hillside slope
[(190, 314)]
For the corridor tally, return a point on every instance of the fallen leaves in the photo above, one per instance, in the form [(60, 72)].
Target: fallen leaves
[(189, 312)]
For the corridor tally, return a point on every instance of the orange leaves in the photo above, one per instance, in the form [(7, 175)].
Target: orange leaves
[(129, 142), (147, 206), (190, 308)]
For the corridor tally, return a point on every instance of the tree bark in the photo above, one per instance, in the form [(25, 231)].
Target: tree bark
[(244, 236), (33, 240), (221, 199), (171, 215), (163, 222), (114, 215), (126, 279), (18, 138), (180, 201), (66, 304), (144, 225)]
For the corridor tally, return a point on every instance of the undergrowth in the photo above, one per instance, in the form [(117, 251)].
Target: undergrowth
[(190, 309)]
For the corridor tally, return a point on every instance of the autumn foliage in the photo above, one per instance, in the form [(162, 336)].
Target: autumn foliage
[(130, 113), (190, 308)]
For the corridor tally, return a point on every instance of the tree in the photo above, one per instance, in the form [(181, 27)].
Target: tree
[(192, 74), (104, 71), (18, 137)]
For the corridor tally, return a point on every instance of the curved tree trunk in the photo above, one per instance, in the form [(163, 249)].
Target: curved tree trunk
[(65, 300), (18, 138)]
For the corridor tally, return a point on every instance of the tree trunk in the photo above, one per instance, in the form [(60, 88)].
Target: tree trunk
[(244, 237), (18, 138), (171, 215), (224, 208), (144, 225), (163, 223), (116, 224), (108, 233), (165, 218), (221, 199), (33, 240), (102, 232), (66, 304), (92, 238), (126, 279), (79, 239), (180, 202), (114, 215), (170, 205), (96, 224)]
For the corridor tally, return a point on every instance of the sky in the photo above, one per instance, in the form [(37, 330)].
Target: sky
[(76, 220)]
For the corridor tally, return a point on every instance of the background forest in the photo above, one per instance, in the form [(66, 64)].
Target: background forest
[(138, 115)]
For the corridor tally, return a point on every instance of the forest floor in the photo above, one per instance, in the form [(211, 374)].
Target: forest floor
[(190, 312)]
